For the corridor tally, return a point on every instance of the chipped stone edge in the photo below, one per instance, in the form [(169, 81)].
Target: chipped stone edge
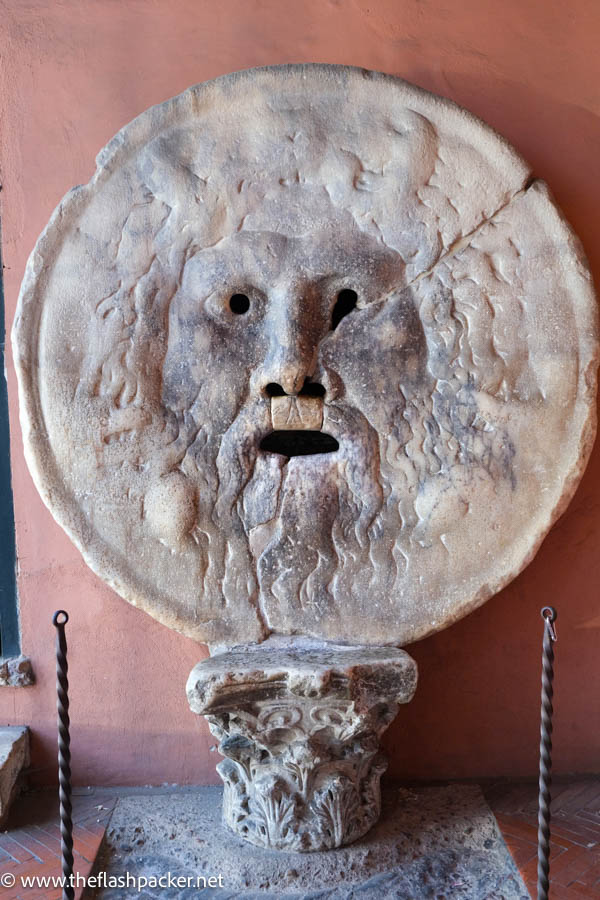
[(16, 671), (321, 673), (14, 759)]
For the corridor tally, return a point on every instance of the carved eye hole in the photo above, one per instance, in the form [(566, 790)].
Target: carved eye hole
[(239, 304), (345, 303)]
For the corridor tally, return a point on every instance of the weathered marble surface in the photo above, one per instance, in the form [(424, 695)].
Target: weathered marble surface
[(300, 728), (460, 388)]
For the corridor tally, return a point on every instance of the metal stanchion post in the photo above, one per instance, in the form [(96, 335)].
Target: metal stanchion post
[(543, 870), (59, 620)]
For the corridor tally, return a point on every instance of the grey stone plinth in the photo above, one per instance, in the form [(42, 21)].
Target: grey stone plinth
[(299, 726), (430, 842), (14, 756)]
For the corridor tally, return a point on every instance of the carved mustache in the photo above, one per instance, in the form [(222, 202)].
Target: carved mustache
[(297, 422)]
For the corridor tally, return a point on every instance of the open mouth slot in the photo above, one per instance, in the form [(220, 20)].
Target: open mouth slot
[(299, 443)]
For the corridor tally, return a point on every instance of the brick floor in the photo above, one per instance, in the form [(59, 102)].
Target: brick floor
[(574, 827), (31, 843)]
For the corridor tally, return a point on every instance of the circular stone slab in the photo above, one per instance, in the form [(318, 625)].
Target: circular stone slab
[(312, 353)]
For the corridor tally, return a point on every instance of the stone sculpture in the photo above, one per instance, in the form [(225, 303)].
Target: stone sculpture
[(311, 359), (300, 727)]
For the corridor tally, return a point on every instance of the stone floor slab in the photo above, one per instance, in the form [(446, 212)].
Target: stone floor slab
[(431, 842)]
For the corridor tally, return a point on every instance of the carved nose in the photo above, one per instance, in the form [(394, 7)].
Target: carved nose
[(294, 326), (291, 356), (286, 373)]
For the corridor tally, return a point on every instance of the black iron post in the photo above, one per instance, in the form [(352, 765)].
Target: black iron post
[(59, 620), (543, 869)]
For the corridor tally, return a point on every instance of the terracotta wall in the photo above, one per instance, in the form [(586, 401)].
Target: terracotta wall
[(72, 74)]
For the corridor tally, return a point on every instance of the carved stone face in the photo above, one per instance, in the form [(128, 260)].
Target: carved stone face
[(300, 368), (299, 291), (297, 396)]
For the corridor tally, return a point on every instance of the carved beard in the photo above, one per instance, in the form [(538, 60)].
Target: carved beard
[(300, 538), (305, 525), (325, 507)]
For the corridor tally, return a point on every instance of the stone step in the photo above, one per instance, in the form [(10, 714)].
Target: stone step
[(14, 757)]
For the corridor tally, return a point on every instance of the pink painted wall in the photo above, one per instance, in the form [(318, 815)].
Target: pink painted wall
[(72, 74)]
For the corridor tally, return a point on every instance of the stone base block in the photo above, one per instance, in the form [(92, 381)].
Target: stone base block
[(299, 726), (14, 757), (430, 842)]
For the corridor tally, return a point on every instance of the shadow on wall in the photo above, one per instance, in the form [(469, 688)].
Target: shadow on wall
[(479, 680), (484, 672), (137, 757)]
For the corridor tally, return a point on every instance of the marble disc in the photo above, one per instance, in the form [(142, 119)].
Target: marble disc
[(312, 353)]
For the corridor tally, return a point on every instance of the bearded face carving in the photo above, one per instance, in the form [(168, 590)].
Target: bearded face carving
[(277, 404), (312, 381)]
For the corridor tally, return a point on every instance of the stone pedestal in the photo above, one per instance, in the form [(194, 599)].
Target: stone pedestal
[(430, 842), (299, 725)]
